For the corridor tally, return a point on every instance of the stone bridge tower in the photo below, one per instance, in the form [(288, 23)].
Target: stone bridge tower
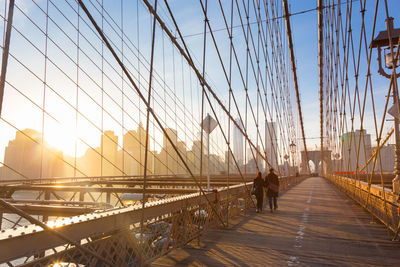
[(315, 157)]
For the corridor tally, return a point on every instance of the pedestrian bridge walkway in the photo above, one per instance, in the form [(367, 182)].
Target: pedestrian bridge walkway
[(315, 225)]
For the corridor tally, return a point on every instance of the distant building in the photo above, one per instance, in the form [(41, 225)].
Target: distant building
[(173, 136), (232, 166), (196, 156), (26, 155), (350, 143), (216, 164), (271, 143), (100, 161), (259, 159), (251, 166), (254, 160), (238, 145), (89, 164), (109, 149), (168, 158), (387, 159), (134, 144), (181, 146)]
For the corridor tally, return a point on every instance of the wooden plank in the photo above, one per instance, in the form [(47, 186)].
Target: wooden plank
[(315, 225)]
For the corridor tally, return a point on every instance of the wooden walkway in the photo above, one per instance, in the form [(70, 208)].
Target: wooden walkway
[(315, 225)]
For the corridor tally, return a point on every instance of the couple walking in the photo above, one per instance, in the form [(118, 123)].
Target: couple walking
[(271, 182)]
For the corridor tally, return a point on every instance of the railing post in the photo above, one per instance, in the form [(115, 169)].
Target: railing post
[(46, 197)]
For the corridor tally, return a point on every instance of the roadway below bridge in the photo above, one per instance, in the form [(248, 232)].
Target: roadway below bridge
[(315, 225)]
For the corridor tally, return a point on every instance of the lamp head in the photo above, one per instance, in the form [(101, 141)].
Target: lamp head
[(383, 41)]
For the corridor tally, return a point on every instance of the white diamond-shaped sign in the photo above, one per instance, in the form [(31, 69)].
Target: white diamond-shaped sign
[(393, 111), (208, 124)]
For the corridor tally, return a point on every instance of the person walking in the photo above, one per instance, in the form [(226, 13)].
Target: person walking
[(272, 185), (258, 191)]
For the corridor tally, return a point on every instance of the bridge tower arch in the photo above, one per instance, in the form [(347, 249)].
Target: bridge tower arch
[(316, 158)]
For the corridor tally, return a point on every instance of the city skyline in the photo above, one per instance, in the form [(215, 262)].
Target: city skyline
[(106, 160), (112, 159), (25, 154)]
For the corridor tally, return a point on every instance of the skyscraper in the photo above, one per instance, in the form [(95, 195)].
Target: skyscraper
[(271, 145), (168, 155), (135, 145), (350, 143), (109, 143), (26, 154), (238, 143)]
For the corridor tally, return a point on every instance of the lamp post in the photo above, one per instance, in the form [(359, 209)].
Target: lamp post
[(287, 164), (336, 156), (388, 41), (292, 147)]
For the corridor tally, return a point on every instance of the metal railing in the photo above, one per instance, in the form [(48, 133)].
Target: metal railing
[(116, 235), (380, 202)]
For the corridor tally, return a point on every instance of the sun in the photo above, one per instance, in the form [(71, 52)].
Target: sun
[(65, 138)]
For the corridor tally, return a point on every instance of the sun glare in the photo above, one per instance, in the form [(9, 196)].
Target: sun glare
[(64, 139)]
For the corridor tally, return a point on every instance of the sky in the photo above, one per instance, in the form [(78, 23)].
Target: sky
[(305, 35), (25, 94)]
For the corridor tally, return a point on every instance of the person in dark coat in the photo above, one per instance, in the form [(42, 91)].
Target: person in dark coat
[(258, 189), (272, 185)]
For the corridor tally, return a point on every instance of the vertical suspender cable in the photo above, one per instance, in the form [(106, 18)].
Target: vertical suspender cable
[(202, 91), (147, 123), (229, 104), (258, 85), (321, 78), (44, 89), (246, 85), (102, 90), (122, 90), (296, 86), (77, 93), (141, 96)]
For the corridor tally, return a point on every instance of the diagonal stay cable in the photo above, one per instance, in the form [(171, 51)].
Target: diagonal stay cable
[(147, 104), (105, 75), (224, 69), (198, 74), (275, 36), (211, 106), (213, 110)]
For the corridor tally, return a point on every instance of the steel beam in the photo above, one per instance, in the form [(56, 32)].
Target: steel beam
[(84, 190), (215, 178), (50, 210), (168, 184), (27, 240)]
